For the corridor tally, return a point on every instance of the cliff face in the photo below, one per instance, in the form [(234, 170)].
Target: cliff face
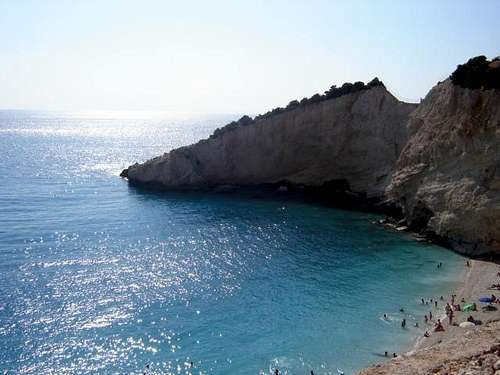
[(355, 138), (447, 177)]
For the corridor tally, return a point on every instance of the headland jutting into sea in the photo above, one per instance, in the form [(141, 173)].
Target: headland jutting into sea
[(433, 168)]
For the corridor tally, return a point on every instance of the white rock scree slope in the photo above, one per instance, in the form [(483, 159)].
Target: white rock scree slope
[(438, 162)]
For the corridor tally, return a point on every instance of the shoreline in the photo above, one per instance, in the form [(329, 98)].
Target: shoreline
[(458, 290), (457, 348)]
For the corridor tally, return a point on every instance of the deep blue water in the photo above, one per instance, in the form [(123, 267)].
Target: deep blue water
[(100, 277)]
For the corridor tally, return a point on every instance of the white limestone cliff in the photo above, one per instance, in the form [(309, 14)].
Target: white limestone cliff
[(355, 138), (447, 177)]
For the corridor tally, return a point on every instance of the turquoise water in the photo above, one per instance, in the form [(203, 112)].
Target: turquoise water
[(97, 276)]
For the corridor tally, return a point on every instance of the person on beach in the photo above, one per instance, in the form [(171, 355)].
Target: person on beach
[(447, 308), (426, 334), (403, 323), (439, 326), (385, 354), (416, 324), (394, 355), (430, 315), (441, 298), (426, 319), (453, 299), (467, 264), (450, 317), (436, 304)]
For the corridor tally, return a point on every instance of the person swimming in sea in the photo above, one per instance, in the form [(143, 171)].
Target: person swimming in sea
[(403, 323), (426, 319), (416, 324), (423, 302), (276, 372), (401, 310), (386, 317)]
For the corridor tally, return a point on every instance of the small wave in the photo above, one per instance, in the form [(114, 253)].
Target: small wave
[(105, 320), (70, 262), (109, 168)]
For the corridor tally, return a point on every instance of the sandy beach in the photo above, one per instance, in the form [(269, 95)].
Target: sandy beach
[(471, 350)]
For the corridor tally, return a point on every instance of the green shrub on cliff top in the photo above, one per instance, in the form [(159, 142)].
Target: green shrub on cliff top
[(332, 93), (478, 73)]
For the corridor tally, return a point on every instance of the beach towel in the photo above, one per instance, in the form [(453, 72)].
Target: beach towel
[(468, 307), (466, 324), (486, 299)]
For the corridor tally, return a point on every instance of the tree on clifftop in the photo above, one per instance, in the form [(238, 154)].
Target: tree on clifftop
[(478, 73)]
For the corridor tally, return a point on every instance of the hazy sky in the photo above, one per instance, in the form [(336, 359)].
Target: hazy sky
[(229, 56)]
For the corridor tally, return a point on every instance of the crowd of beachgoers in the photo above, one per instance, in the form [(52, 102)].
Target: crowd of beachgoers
[(461, 333), (451, 309)]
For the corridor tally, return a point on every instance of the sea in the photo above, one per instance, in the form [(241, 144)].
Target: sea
[(101, 277)]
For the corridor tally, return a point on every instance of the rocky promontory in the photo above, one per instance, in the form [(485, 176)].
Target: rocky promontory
[(438, 161), (352, 141)]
